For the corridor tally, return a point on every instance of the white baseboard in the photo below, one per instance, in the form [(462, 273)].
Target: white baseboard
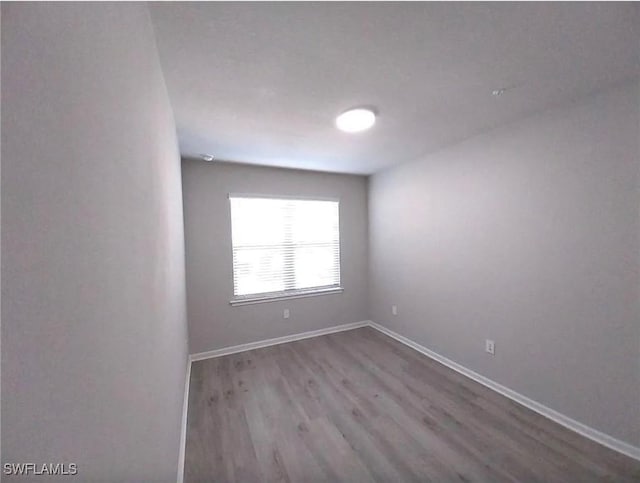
[(567, 422), (225, 351), (183, 424)]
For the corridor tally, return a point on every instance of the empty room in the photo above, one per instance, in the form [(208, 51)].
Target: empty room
[(320, 241)]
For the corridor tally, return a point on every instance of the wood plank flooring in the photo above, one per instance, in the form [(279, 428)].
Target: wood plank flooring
[(359, 406)]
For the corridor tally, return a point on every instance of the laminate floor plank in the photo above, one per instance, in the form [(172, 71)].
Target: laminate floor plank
[(543, 431), (358, 406)]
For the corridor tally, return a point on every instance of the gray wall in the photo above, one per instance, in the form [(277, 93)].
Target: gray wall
[(528, 235), (93, 317), (213, 323)]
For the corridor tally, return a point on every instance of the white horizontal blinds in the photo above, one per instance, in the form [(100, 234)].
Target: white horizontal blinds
[(284, 245)]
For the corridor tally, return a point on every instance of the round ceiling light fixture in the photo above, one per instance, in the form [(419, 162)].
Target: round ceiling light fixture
[(207, 157), (356, 120)]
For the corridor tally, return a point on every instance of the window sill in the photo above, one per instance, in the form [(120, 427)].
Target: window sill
[(275, 298)]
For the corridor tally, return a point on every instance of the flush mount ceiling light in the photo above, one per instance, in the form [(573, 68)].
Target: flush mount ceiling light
[(207, 157), (356, 120)]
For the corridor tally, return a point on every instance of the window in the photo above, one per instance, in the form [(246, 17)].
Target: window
[(284, 247)]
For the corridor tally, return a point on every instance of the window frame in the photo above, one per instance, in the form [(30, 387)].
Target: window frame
[(291, 293)]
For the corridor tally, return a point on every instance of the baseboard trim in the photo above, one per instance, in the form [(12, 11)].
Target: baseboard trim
[(225, 351), (183, 424), (569, 423)]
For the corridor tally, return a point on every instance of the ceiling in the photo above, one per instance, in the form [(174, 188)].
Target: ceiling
[(261, 83)]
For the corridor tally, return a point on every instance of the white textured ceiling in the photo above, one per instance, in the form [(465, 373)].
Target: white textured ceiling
[(261, 83)]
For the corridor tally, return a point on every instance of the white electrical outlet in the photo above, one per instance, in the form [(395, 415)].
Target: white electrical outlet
[(286, 313), (490, 346), (394, 309)]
